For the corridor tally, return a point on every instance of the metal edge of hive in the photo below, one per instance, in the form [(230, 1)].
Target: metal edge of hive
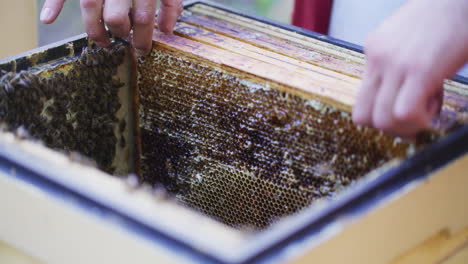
[(48, 53)]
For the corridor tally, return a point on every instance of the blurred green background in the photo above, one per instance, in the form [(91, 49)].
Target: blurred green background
[(69, 22)]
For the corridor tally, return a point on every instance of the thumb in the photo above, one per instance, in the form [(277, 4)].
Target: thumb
[(50, 10)]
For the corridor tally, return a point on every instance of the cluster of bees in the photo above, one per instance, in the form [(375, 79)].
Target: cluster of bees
[(71, 107), (206, 119)]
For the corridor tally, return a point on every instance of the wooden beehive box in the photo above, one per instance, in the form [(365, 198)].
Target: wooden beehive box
[(239, 131)]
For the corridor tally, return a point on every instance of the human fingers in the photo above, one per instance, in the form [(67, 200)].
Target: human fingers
[(364, 105), (143, 15), (418, 100), (378, 92), (168, 14), (382, 114), (50, 10), (91, 11), (116, 17)]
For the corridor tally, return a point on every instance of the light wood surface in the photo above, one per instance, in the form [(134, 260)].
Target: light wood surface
[(279, 32), (56, 230), (437, 249), (11, 255), (394, 229), (19, 27), (53, 232), (261, 37), (459, 258), (252, 51)]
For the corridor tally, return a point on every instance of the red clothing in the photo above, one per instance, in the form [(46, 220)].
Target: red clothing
[(313, 15)]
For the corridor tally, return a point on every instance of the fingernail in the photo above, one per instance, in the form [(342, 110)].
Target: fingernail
[(45, 14)]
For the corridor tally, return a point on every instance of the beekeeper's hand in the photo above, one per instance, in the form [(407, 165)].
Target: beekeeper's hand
[(120, 16), (408, 57)]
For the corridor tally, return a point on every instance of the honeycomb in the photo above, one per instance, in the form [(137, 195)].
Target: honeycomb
[(72, 106), (242, 152), (245, 146)]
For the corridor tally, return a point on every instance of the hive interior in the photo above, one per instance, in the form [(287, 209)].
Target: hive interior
[(77, 105), (242, 152), (240, 120)]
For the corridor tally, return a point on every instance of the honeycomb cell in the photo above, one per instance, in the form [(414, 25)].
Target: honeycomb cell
[(260, 153)]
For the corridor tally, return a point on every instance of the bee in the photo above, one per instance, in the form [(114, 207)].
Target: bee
[(32, 80), (15, 79), (3, 104), (7, 77), (100, 73), (116, 83), (33, 95), (122, 125), (8, 88), (122, 142)]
